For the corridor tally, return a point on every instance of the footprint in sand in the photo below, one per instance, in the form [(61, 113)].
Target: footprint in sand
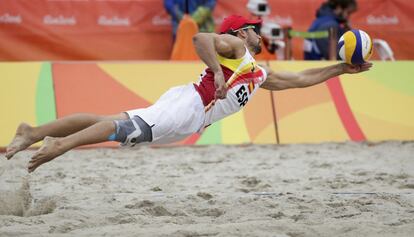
[(407, 186), (251, 182), (205, 196), (144, 203), (150, 208), (322, 165), (213, 212), (360, 173), (277, 216), (284, 156), (121, 219), (158, 211), (186, 233)]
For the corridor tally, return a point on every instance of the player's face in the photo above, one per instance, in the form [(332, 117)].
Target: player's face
[(254, 40)]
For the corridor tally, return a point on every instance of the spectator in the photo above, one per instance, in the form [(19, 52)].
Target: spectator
[(200, 11), (332, 13)]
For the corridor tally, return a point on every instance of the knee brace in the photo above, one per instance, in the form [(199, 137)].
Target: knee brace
[(131, 131)]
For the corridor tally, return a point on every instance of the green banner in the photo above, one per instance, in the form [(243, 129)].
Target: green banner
[(309, 35)]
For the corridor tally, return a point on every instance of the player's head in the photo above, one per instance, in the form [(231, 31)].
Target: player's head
[(343, 8), (247, 30)]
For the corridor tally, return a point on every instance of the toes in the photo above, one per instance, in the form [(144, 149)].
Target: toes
[(8, 156), (40, 157), (30, 169), (10, 153), (34, 163), (36, 160), (18, 144), (46, 153)]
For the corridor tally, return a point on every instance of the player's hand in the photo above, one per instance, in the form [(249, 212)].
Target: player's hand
[(220, 84), (347, 68)]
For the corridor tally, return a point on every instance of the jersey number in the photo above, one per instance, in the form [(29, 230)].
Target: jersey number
[(242, 96)]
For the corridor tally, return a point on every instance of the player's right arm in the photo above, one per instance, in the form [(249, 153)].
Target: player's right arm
[(309, 77), (208, 45)]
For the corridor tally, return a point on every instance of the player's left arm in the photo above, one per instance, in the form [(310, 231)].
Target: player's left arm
[(309, 77)]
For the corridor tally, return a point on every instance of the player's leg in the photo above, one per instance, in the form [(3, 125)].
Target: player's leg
[(27, 135), (179, 112), (55, 146), (130, 131)]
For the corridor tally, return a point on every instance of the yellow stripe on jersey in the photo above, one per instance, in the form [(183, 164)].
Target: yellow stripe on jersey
[(231, 64), (251, 87), (239, 66)]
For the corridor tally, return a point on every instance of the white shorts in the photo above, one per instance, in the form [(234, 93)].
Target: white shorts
[(178, 113)]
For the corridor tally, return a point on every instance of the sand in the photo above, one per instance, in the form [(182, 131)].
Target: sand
[(347, 189)]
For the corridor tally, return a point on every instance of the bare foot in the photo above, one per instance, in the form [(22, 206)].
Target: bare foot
[(50, 149), (22, 140)]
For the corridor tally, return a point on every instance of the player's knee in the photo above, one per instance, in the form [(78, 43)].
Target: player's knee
[(131, 131), (120, 116)]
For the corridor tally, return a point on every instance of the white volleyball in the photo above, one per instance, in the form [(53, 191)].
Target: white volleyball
[(355, 47)]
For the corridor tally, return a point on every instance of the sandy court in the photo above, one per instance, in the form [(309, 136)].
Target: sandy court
[(329, 189)]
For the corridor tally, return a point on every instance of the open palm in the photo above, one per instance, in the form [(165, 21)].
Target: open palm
[(356, 68)]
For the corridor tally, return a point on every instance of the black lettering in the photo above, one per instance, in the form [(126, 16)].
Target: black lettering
[(242, 96), (244, 102), (240, 91)]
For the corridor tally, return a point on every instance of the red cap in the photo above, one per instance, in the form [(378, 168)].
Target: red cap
[(234, 22)]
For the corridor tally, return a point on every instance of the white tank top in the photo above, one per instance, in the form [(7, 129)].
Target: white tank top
[(246, 78)]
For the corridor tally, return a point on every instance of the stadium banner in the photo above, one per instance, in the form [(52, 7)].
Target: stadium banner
[(372, 106), (141, 29)]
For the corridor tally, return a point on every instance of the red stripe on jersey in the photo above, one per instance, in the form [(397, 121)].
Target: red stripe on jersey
[(247, 78), (206, 87)]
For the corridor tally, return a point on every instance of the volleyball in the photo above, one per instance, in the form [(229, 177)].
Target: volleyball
[(355, 47)]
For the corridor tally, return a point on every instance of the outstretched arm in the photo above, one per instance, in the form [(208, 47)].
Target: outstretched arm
[(309, 77), (208, 45)]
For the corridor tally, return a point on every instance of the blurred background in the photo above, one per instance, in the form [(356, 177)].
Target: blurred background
[(142, 29), (61, 57)]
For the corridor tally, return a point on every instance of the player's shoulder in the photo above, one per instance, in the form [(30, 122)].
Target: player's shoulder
[(232, 40), (230, 46)]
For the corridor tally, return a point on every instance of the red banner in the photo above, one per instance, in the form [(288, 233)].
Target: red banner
[(140, 29), (83, 30)]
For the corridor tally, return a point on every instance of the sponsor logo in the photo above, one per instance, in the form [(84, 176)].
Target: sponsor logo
[(7, 18), (282, 20), (382, 20), (113, 21), (161, 20), (59, 20)]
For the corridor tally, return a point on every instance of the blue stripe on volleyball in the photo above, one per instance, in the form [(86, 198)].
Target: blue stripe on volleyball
[(340, 44), (357, 57)]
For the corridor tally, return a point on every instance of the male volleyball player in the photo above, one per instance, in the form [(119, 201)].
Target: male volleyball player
[(229, 82)]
